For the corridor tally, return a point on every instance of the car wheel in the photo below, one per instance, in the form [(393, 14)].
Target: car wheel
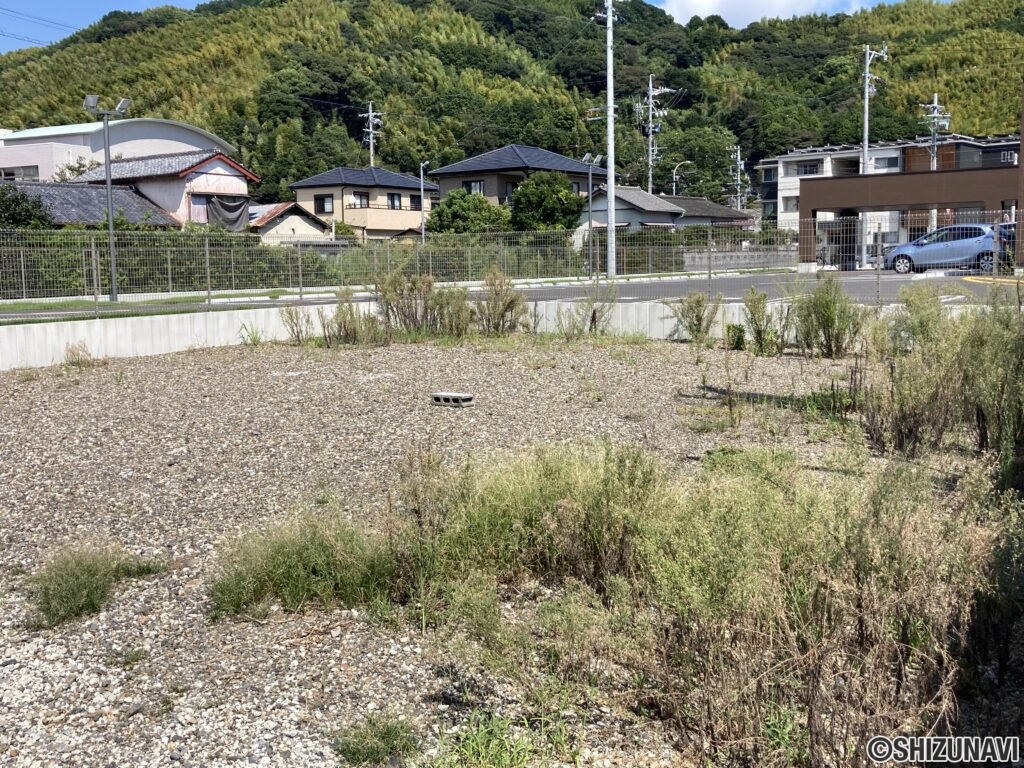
[(986, 261), (902, 265)]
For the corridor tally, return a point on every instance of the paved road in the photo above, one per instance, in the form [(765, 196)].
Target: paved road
[(864, 287)]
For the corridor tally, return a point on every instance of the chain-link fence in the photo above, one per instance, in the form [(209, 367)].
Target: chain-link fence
[(44, 270), (70, 271)]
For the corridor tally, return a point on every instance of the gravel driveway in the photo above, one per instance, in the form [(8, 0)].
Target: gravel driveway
[(176, 455)]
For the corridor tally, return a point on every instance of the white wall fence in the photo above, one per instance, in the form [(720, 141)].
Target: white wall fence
[(43, 344)]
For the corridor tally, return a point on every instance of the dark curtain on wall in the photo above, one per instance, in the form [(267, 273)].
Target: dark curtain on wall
[(227, 211)]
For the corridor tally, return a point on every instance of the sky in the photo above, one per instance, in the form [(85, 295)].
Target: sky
[(25, 24)]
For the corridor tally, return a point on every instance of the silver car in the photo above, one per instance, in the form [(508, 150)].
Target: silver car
[(966, 246)]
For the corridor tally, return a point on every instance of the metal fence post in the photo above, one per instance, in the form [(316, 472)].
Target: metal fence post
[(85, 273), (209, 286), (95, 277), (299, 251), (24, 282), (709, 261), (232, 268), (170, 285)]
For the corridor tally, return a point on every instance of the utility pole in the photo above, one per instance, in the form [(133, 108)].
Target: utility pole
[(1018, 213), (373, 124), (651, 128), (937, 119), (869, 57), (609, 8), (738, 176)]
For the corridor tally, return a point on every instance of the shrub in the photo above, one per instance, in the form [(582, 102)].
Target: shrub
[(827, 321), (78, 581), (297, 323), (590, 316), (450, 313), (735, 336), (311, 560), (502, 309), (919, 319), (349, 325), (376, 741), (405, 301), (768, 330), (694, 314)]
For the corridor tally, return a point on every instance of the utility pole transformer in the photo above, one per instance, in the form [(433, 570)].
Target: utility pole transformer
[(373, 124)]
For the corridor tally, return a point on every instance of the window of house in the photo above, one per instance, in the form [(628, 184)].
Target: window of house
[(1007, 156), (809, 168), (575, 187), (395, 201), (790, 204), (20, 173), (415, 203), (769, 174), (474, 187), (888, 162), (360, 199), (323, 203)]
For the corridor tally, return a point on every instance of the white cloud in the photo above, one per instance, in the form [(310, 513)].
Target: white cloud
[(740, 13)]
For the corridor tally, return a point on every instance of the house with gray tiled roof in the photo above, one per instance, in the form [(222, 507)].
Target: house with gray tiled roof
[(200, 186), (700, 210), (634, 209), (497, 173), (86, 205), (375, 202)]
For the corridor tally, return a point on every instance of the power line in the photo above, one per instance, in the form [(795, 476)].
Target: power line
[(32, 40), (36, 19)]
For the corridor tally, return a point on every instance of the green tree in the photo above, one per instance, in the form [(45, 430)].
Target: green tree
[(461, 212), (71, 171), (20, 211), (545, 201)]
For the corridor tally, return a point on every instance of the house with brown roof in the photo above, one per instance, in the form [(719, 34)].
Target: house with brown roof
[(280, 222), (375, 202), (200, 186)]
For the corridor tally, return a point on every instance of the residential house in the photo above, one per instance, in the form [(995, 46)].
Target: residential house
[(375, 202), (36, 154), (635, 209), (701, 211), (200, 186), (280, 222), (497, 173), (86, 205)]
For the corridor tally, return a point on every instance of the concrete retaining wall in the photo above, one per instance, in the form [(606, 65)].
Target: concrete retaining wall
[(41, 344)]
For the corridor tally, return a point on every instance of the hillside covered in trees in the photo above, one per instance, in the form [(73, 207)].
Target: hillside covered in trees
[(288, 80)]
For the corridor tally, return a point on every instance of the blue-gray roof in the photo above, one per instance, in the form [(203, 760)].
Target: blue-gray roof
[(363, 177), (518, 157), (71, 204), (150, 166)]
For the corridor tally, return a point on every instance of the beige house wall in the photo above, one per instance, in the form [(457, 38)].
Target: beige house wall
[(291, 226), (377, 220)]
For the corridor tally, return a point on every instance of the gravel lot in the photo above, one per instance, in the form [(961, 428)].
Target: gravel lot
[(177, 455)]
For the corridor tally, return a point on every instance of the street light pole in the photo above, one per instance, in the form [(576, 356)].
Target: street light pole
[(423, 225), (675, 174), (91, 104)]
